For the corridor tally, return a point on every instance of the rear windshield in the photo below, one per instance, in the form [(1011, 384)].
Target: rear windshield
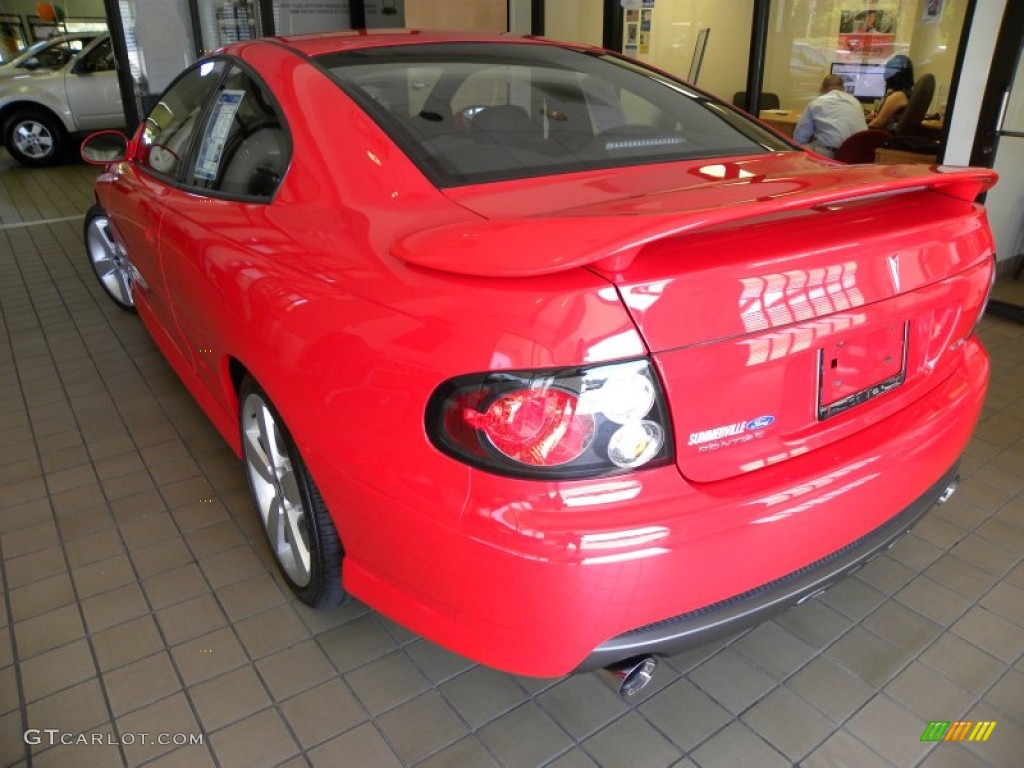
[(470, 112)]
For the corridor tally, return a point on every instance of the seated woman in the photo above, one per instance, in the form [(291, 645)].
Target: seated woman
[(899, 80)]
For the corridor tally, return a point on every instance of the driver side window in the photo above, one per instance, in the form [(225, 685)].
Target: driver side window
[(171, 124), (99, 59)]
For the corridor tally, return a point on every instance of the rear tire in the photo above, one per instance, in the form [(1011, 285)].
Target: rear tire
[(34, 137), (295, 519)]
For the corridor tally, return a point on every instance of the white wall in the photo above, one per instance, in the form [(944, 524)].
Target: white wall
[(489, 15), (577, 21), (674, 29)]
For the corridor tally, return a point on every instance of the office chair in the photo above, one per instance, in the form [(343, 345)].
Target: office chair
[(861, 146), (920, 99), (907, 134), (768, 100)]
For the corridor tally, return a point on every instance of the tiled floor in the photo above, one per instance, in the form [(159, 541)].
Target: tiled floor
[(138, 595)]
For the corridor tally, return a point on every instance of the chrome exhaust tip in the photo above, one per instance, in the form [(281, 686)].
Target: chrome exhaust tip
[(632, 675), (948, 491)]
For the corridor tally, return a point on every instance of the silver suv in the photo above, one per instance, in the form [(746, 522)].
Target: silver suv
[(40, 110)]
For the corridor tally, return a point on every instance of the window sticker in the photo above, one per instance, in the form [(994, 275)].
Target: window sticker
[(212, 148)]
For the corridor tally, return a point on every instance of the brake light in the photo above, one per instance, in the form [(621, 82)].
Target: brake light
[(577, 422), (536, 427)]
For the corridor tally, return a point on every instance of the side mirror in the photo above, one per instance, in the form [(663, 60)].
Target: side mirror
[(105, 147), (29, 64)]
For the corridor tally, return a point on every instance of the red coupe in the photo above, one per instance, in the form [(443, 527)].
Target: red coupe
[(546, 355)]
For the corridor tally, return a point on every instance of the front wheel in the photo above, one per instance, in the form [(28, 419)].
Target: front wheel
[(34, 137), (295, 519), (109, 262)]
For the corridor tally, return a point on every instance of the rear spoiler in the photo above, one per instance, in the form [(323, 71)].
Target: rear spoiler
[(608, 236)]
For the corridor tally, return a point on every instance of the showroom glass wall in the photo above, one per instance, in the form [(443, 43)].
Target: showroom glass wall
[(807, 38), (787, 45)]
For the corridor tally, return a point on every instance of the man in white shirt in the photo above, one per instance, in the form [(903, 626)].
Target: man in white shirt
[(830, 119)]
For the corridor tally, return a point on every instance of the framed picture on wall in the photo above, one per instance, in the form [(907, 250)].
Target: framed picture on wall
[(868, 34), (931, 11)]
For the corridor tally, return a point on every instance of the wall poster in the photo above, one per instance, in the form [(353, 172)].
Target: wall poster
[(867, 32)]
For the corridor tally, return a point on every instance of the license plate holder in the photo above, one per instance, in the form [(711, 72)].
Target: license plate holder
[(856, 368)]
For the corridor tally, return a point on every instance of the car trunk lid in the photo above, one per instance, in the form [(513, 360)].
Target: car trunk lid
[(783, 313)]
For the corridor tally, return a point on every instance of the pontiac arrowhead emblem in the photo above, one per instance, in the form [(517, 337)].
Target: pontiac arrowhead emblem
[(894, 271)]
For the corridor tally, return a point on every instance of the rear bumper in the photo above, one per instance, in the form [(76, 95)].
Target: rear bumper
[(542, 579), (728, 617)]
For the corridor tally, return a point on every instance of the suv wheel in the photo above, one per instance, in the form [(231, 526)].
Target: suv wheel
[(34, 137)]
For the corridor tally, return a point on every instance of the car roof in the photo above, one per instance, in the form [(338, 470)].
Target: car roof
[(336, 42)]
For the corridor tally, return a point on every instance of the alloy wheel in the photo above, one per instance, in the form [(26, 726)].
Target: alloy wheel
[(34, 139), (109, 261), (276, 490)]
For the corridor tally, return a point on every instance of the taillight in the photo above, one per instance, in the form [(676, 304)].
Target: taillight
[(988, 295), (567, 422)]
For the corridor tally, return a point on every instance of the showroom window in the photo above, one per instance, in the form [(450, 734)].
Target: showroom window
[(808, 39)]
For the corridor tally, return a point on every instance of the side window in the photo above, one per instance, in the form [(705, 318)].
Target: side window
[(173, 121), (58, 54), (99, 59), (243, 146)]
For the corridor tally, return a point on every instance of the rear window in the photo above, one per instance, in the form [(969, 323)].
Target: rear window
[(469, 112)]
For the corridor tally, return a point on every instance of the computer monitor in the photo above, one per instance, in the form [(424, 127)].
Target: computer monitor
[(865, 81)]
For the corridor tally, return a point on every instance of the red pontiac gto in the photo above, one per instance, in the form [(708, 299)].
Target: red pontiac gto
[(546, 355)]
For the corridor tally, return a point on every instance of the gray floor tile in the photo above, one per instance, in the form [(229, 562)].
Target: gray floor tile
[(386, 682), (323, 712), (360, 746), (423, 726), (841, 750), (581, 704), (738, 745), (685, 714), (261, 739), (732, 681), (631, 742), (788, 723)]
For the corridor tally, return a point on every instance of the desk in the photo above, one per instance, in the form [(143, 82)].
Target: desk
[(783, 120), (885, 156)]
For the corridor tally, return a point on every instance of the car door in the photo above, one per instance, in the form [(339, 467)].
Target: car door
[(93, 93), (139, 189), (241, 152)]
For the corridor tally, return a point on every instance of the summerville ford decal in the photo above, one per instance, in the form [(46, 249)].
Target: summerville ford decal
[(730, 434)]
